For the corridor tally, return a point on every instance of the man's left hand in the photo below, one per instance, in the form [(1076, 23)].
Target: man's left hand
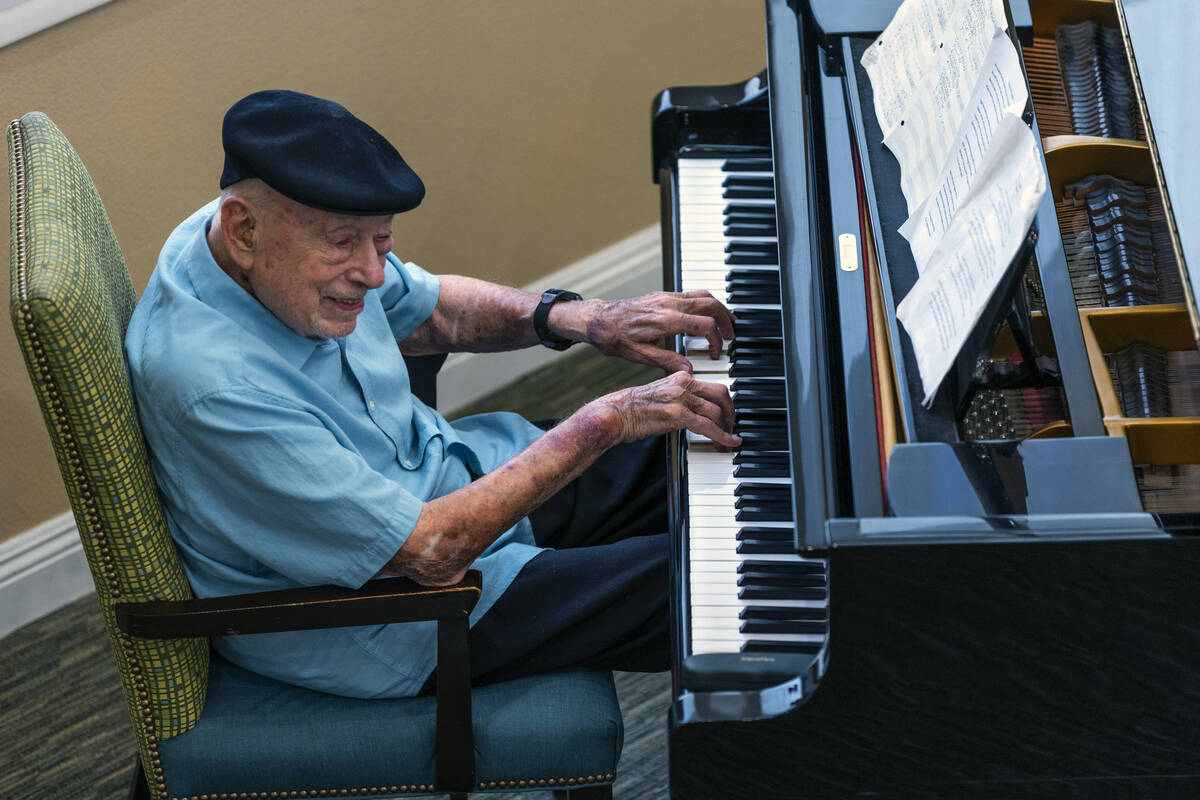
[(633, 328)]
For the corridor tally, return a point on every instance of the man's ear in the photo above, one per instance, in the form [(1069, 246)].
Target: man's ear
[(239, 228)]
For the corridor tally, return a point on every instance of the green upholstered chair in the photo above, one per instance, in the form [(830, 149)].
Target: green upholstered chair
[(204, 727)]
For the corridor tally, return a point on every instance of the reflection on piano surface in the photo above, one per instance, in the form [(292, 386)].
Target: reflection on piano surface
[(989, 596)]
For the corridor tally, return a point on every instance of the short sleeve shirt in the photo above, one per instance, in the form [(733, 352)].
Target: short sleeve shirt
[(287, 461)]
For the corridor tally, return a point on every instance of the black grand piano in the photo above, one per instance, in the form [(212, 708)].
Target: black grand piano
[(992, 596)]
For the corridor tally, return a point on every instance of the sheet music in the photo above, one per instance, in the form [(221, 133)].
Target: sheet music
[(1000, 90), (898, 59), (941, 309), (922, 139)]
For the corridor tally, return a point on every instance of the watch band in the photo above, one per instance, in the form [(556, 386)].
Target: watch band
[(541, 316)]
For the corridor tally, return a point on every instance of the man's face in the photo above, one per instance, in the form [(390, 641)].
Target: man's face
[(313, 268)]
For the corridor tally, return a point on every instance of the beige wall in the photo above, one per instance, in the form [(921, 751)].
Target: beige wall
[(528, 121)]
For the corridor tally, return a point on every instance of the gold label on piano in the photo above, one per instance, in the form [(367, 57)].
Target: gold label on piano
[(848, 249)]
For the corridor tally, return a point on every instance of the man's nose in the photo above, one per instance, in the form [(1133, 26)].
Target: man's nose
[(369, 269)]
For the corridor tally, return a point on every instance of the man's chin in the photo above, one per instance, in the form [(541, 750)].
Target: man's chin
[(335, 330)]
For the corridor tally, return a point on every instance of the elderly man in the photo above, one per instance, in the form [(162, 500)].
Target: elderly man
[(290, 450)]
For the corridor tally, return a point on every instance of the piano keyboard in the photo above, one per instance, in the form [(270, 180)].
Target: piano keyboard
[(747, 588)]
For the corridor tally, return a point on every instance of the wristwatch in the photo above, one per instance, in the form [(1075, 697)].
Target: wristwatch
[(541, 316)]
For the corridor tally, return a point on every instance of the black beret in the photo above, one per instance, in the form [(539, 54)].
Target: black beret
[(317, 153)]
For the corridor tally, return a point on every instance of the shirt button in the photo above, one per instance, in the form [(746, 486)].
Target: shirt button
[(371, 405), (407, 464)]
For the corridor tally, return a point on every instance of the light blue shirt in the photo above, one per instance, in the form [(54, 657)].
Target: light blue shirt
[(286, 461)]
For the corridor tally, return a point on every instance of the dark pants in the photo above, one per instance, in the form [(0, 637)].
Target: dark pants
[(600, 597)]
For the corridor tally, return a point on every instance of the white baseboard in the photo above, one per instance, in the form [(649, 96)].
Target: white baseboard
[(21, 18), (41, 570), (631, 267)]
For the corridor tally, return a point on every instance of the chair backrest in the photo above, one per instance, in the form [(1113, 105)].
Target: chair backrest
[(71, 299)]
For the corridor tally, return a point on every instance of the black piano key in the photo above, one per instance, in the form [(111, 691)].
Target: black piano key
[(751, 280), (752, 247), (752, 487), (742, 329), (758, 341), (752, 435), (761, 471), (759, 359), (737, 351), (775, 579), (755, 401), (766, 504), (750, 456), (752, 294), (778, 582), (757, 384), (778, 445), (757, 427), (760, 646), (777, 415), (739, 228), (784, 612), (749, 180), (768, 315), (749, 211), (762, 548), (760, 429), (754, 298), (753, 360), (763, 515), (759, 458), (761, 366), (764, 500), (782, 593), (753, 272), (773, 350), (740, 370), (763, 181), (757, 532), (755, 547), (758, 296), (748, 193), (780, 510), (749, 164), (761, 259), (782, 626), (764, 496), (738, 278), (792, 568), (752, 399), (761, 386)]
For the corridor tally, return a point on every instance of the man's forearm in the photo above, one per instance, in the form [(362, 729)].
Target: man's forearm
[(481, 317), (454, 529)]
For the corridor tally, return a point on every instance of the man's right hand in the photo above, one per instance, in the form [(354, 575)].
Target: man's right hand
[(676, 402)]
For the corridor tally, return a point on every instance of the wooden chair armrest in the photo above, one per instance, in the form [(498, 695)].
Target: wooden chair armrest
[(376, 603)]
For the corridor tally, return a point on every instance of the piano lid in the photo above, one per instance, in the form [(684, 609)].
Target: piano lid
[(1162, 36), (847, 17)]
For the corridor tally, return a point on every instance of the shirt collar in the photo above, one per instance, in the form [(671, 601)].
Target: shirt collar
[(216, 289)]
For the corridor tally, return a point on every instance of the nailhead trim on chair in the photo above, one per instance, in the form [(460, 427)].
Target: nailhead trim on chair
[(94, 523), (538, 782), (369, 790)]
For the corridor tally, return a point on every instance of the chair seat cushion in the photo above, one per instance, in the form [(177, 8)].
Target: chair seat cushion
[(260, 735)]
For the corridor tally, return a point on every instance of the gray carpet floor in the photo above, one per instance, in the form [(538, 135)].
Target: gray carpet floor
[(64, 728)]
